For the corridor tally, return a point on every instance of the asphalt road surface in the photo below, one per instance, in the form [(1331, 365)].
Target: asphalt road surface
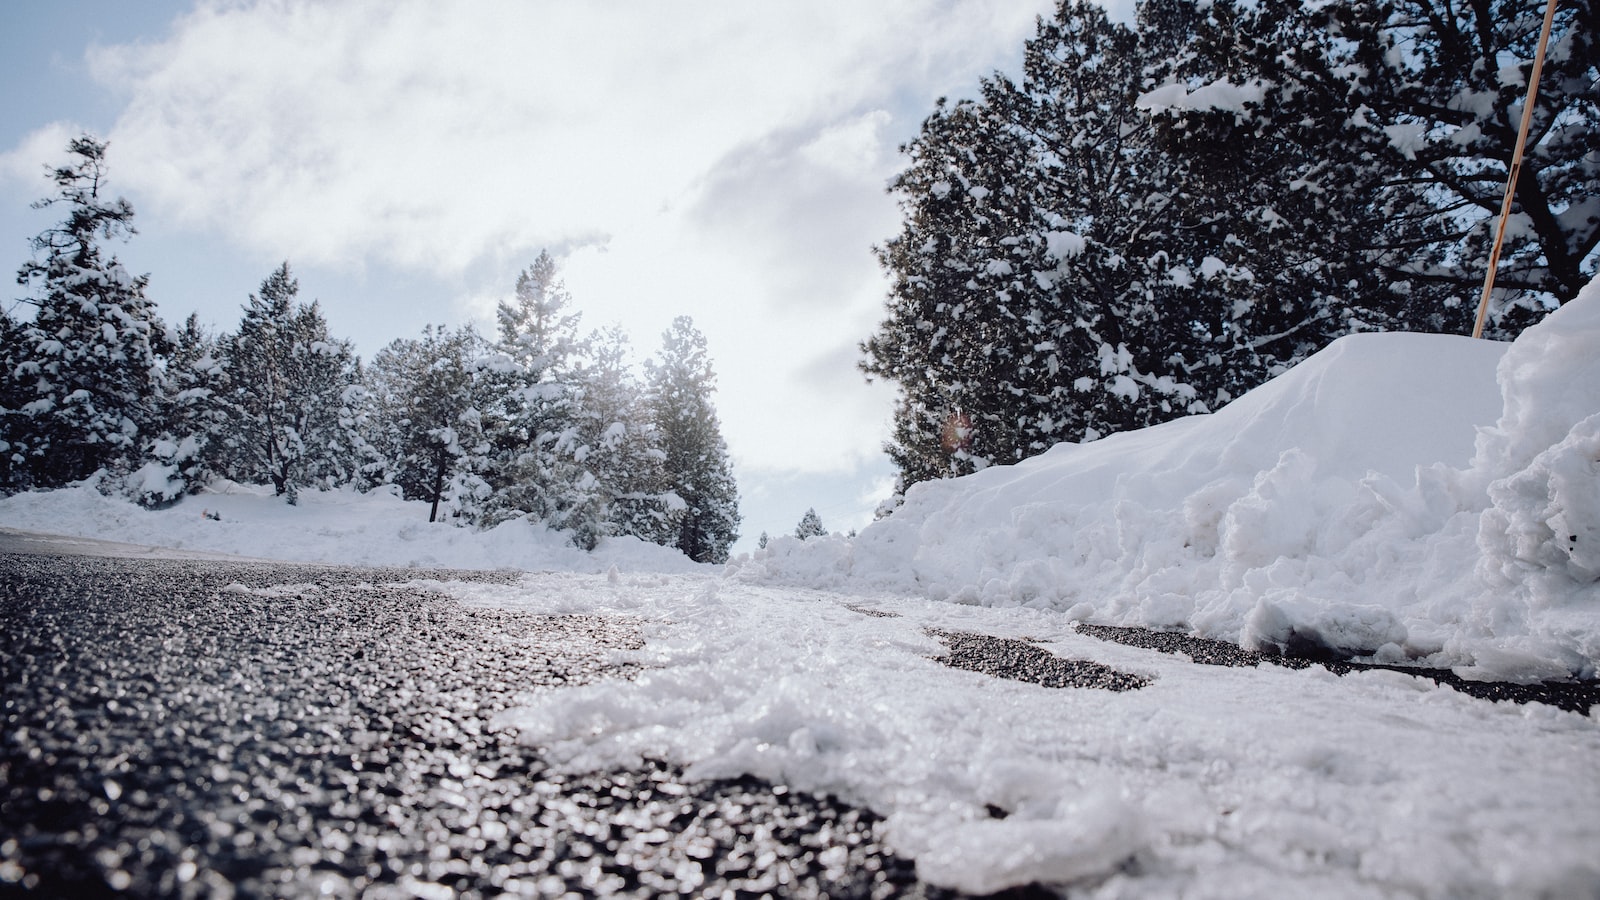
[(211, 728)]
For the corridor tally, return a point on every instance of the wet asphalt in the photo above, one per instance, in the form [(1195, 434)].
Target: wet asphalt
[(1574, 696), (195, 728), (1020, 660)]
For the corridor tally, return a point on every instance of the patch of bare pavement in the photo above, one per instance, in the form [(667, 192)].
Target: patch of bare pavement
[(1575, 696), (1021, 660), (204, 728)]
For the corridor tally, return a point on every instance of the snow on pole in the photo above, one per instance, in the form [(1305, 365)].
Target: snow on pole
[(1516, 167)]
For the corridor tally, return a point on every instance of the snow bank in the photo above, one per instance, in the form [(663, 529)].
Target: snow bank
[(342, 527), (1411, 497)]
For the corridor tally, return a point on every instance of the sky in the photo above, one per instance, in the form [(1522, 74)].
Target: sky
[(725, 161)]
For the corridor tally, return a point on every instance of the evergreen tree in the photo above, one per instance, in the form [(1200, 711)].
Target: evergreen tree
[(531, 423), (353, 458), (1271, 268), (294, 395), (13, 395), (1037, 294), (619, 437), (1371, 141), (1152, 221), (180, 457), (538, 328), (810, 526), (696, 457), (1430, 132), (85, 371), (256, 364), (428, 395)]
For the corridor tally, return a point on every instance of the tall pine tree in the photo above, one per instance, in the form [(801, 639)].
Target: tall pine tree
[(1037, 294), (696, 461), (620, 437), (536, 469), (84, 373)]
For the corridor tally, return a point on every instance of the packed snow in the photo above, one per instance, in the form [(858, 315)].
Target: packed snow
[(1430, 500)]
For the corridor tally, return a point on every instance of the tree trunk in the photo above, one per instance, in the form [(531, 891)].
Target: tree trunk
[(438, 486)]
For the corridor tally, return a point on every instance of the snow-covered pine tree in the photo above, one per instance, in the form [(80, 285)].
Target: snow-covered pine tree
[(428, 423), (359, 462), (1445, 85), (13, 394), (810, 526), (1394, 124), (1103, 286), (291, 395), (1264, 244), (389, 379), (86, 369), (615, 424), (1036, 294), (697, 466), (328, 385), (531, 423), (255, 363), (180, 456), (937, 327)]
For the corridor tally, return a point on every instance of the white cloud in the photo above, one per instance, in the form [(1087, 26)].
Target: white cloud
[(432, 135), (721, 160), (25, 164), (807, 205)]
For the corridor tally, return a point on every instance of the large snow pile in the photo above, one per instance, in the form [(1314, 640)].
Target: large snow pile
[(343, 527), (1412, 497)]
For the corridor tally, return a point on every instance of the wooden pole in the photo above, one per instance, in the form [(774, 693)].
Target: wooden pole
[(1516, 168)]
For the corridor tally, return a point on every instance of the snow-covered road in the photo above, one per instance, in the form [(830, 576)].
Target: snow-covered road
[(1206, 781), (1218, 782)]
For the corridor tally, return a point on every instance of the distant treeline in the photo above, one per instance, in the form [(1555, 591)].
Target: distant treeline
[(538, 422)]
